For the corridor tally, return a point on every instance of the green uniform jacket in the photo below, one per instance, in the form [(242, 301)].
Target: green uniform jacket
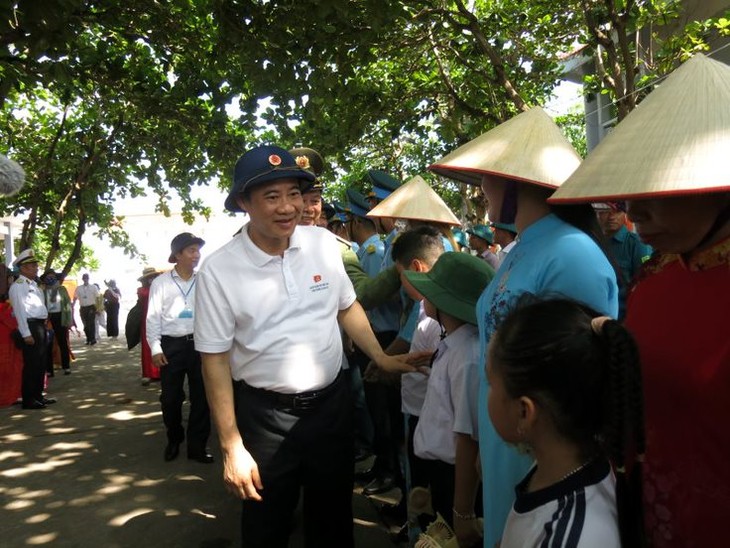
[(371, 292)]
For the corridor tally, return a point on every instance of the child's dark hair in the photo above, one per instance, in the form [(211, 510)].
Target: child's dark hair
[(585, 373), (423, 243)]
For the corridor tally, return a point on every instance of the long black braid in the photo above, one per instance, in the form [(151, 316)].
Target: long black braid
[(584, 371), (624, 439)]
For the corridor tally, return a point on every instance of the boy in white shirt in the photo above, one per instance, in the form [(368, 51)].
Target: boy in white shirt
[(450, 291)]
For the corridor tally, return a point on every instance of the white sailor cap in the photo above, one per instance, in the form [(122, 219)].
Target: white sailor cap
[(25, 257)]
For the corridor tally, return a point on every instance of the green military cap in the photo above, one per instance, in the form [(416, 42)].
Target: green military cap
[(311, 160)]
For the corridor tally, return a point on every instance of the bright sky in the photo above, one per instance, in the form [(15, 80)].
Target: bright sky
[(152, 232)]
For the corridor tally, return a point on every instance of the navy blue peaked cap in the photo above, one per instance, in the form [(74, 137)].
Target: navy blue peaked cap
[(357, 203), (261, 165), (383, 184)]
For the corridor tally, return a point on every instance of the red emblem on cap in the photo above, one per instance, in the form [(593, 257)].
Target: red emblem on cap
[(274, 159), (317, 278)]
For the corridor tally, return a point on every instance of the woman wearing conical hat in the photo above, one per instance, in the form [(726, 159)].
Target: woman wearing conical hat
[(518, 165), (418, 204), (673, 174)]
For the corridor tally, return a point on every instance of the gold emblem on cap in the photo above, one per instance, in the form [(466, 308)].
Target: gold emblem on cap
[(275, 160), (303, 162)]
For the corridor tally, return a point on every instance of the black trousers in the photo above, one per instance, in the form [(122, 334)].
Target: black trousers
[(308, 450), (441, 478), (34, 363), (384, 404), (112, 319), (88, 318), (60, 333), (183, 361)]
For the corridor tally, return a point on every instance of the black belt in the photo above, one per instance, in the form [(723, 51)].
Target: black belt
[(181, 338), (36, 320), (300, 400)]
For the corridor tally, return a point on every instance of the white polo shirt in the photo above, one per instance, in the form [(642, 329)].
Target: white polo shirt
[(86, 294), (276, 315), (170, 309), (454, 369)]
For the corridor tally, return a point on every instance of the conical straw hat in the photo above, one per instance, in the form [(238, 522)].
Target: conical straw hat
[(676, 142), (529, 147), (415, 200)]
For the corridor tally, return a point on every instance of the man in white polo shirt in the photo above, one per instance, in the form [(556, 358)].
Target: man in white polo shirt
[(86, 294), (169, 332), (267, 310)]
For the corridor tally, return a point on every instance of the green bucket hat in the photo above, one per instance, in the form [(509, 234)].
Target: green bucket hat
[(454, 284)]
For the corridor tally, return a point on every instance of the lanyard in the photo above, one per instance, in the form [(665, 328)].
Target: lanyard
[(183, 293)]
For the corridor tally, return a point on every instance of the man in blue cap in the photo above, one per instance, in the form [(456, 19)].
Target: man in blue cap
[(480, 240), (268, 305), (383, 186), (505, 235), (169, 328), (383, 399), (370, 247)]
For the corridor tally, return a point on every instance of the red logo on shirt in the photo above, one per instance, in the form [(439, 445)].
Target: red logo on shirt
[(317, 278)]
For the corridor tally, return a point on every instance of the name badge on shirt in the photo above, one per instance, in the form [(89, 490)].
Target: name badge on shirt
[(185, 313)]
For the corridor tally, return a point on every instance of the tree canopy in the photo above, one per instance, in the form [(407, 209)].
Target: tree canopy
[(101, 99)]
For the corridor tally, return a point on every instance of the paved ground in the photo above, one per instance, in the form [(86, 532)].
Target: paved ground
[(88, 471)]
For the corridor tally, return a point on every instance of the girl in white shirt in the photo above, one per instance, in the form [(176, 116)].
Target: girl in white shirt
[(565, 385)]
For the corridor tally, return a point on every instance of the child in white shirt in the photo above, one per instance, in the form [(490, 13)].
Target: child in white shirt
[(565, 385)]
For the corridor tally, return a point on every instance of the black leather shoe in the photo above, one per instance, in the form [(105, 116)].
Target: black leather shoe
[(48, 401), (379, 485), (362, 455), (66, 371), (205, 457), (172, 451), (34, 405)]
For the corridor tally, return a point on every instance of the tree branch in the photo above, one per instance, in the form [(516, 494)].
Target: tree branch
[(494, 57)]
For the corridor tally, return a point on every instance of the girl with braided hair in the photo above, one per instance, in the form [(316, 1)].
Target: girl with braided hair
[(565, 386)]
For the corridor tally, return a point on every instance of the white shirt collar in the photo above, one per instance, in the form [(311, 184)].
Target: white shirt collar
[(257, 255)]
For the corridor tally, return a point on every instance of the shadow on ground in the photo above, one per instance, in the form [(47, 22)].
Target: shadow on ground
[(88, 470)]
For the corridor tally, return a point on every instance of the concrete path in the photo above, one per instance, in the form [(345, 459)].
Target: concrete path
[(88, 471)]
